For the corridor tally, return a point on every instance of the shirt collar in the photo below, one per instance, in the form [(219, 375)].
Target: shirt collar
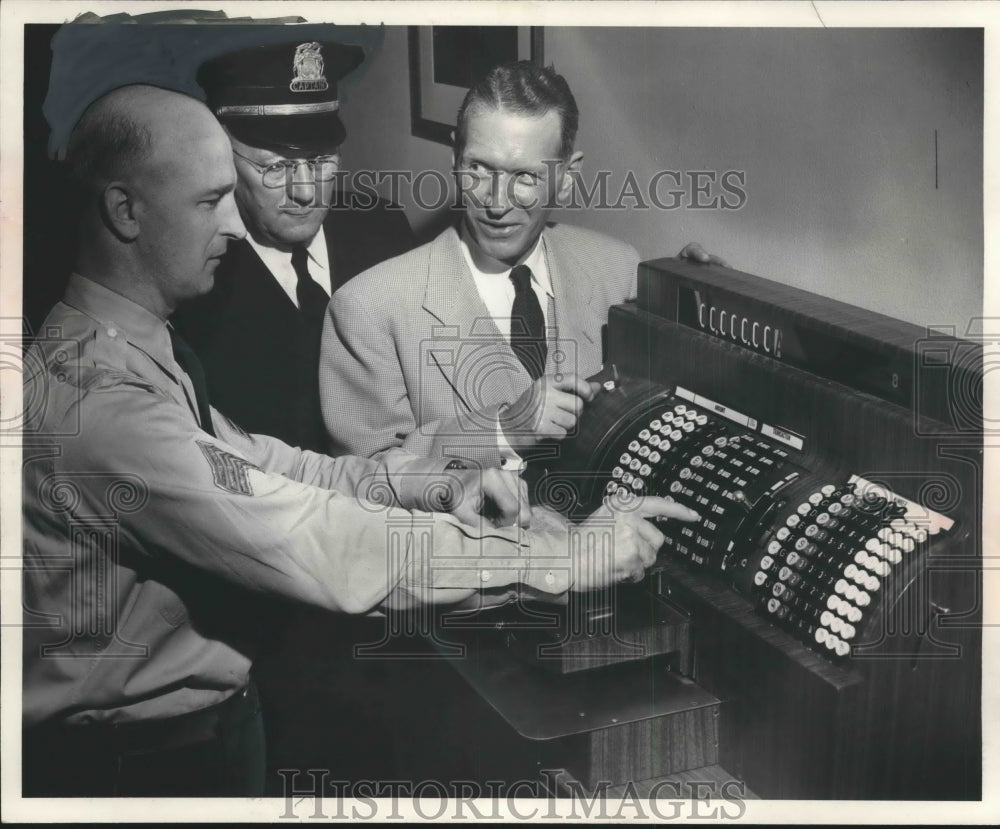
[(317, 250), (274, 258), (119, 315), (536, 261)]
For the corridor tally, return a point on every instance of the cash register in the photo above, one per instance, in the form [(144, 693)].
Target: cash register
[(816, 634)]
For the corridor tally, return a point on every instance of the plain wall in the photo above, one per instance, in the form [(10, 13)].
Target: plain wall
[(847, 194)]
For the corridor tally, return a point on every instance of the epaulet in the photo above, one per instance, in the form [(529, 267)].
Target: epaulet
[(92, 378)]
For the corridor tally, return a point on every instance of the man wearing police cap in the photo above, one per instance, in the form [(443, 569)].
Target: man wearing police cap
[(258, 336), (258, 332)]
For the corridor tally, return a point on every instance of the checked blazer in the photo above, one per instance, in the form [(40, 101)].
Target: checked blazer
[(260, 356), (411, 357)]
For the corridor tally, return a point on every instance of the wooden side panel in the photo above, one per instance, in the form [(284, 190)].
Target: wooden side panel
[(779, 700), (642, 750)]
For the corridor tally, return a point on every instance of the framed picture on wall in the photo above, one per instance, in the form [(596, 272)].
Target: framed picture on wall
[(446, 60)]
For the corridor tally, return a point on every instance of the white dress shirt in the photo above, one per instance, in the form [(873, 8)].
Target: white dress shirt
[(493, 282), (496, 289), (279, 263)]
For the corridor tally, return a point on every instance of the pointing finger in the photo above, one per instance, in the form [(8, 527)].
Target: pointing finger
[(655, 507)]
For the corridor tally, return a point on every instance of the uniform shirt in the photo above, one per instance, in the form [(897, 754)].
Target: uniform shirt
[(279, 263), (131, 509)]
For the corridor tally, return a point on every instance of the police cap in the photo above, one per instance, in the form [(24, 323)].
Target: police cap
[(281, 97)]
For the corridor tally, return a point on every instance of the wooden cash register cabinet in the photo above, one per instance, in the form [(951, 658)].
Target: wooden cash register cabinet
[(816, 634)]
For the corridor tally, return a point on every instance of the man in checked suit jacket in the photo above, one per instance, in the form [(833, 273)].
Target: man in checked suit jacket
[(411, 356), (258, 332), (426, 350)]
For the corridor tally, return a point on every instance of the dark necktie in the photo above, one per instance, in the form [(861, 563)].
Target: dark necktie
[(312, 298), (188, 360), (527, 324)]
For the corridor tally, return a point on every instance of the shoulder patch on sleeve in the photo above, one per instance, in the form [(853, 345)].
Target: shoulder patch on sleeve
[(229, 472)]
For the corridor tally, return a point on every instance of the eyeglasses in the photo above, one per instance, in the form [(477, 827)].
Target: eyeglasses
[(280, 173)]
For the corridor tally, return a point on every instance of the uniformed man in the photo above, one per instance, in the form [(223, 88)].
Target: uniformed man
[(143, 505), (258, 332)]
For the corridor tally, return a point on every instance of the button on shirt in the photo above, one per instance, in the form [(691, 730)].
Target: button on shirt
[(123, 490), (279, 263)]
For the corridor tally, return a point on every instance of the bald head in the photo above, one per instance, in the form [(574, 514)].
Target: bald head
[(159, 170), (127, 128)]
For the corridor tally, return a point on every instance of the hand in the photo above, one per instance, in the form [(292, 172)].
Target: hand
[(696, 253), (548, 409), (545, 519), (636, 541), (471, 494)]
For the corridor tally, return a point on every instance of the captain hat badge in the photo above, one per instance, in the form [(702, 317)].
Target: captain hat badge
[(308, 66), (282, 97)]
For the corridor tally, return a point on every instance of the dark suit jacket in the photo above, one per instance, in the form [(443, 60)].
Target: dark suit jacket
[(261, 359)]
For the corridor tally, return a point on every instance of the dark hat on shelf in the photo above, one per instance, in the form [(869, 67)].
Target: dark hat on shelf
[(282, 97)]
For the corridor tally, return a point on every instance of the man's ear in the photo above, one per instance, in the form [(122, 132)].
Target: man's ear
[(571, 171), (451, 135), (118, 211)]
